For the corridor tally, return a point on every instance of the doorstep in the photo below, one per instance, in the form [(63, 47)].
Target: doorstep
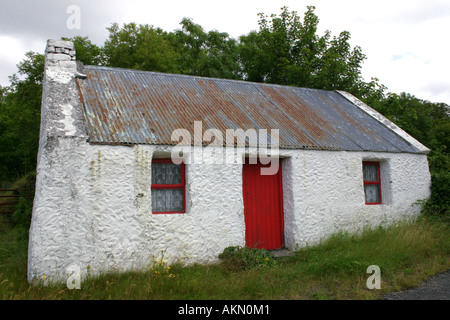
[(279, 253)]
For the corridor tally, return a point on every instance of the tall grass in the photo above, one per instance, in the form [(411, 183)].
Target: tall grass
[(391, 248), (335, 269)]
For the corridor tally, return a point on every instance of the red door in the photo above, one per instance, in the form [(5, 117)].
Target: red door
[(263, 208)]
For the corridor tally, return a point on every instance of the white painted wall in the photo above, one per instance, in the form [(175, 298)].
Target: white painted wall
[(92, 207), (324, 193)]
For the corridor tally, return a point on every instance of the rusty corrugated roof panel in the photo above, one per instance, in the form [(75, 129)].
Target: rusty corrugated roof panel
[(137, 107)]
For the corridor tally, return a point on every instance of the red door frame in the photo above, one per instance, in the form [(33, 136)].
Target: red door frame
[(266, 229)]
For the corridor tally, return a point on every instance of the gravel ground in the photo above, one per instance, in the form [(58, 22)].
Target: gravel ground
[(435, 288)]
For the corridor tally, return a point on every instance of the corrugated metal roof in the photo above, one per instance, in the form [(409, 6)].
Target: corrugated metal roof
[(124, 106)]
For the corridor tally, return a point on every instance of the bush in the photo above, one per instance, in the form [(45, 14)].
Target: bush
[(26, 186), (243, 258), (439, 201)]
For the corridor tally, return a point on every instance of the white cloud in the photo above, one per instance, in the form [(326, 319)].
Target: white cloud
[(10, 58), (403, 40)]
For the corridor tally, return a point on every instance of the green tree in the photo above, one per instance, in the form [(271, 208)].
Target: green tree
[(86, 51), (189, 50), (426, 121), (287, 50), (20, 107), (340, 67), (141, 47), (208, 54)]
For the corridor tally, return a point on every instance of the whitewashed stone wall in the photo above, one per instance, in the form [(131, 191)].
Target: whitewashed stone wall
[(92, 205), (324, 193)]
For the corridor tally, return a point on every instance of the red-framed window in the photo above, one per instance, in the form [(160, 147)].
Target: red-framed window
[(168, 186), (372, 182)]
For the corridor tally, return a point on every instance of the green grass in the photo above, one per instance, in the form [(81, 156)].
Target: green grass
[(407, 254)]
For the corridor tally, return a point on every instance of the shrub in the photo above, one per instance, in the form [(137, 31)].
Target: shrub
[(439, 201), (243, 258), (26, 186)]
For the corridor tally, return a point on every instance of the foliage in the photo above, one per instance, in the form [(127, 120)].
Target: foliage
[(244, 258), (86, 51), (406, 253), (439, 201), (286, 49), (141, 47), (208, 54), (426, 121), (189, 50), (20, 109), (405, 244), (26, 186), (439, 160)]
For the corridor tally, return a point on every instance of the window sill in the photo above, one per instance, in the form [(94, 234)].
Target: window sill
[(170, 212)]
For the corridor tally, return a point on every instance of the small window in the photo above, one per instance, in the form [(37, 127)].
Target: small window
[(168, 187), (372, 183)]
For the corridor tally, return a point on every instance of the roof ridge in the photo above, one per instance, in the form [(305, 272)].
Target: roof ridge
[(171, 74)]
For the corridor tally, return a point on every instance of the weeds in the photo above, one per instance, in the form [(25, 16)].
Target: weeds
[(243, 258), (335, 269)]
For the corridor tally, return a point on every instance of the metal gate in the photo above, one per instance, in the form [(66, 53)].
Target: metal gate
[(8, 200)]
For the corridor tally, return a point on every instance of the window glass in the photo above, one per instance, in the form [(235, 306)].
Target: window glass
[(372, 192), (167, 200), (168, 187), (370, 172), (372, 186), (166, 173)]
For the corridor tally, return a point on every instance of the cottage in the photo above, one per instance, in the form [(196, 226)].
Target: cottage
[(135, 166)]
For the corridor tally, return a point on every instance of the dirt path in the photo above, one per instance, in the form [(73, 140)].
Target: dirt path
[(435, 288)]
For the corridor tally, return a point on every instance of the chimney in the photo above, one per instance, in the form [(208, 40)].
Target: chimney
[(60, 50), (62, 138), (61, 112)]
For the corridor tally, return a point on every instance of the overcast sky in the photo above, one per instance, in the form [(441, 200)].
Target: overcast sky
[(406, 41)]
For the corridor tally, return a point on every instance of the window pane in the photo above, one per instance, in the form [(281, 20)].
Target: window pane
[(167, 200), (166, 173), (372, 192), (370, 172)]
